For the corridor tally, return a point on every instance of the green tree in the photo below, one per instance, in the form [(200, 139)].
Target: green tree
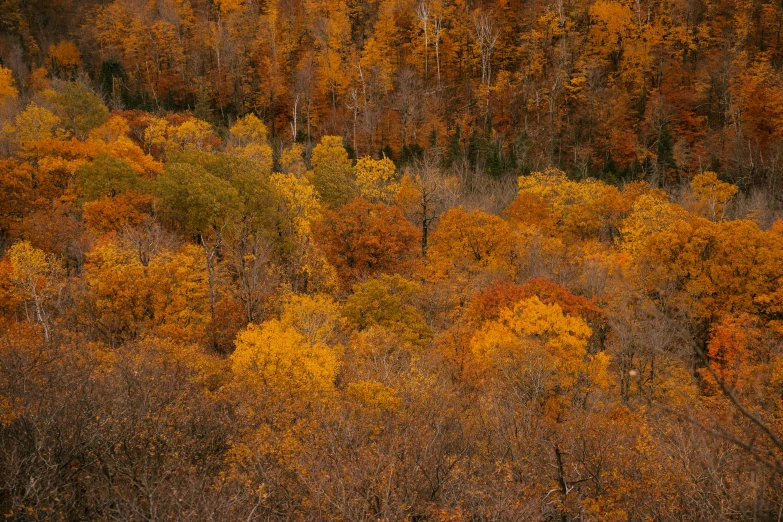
[(332, 172), (107, 176)]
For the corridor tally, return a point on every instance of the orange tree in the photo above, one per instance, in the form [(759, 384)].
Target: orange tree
[(362, 239)]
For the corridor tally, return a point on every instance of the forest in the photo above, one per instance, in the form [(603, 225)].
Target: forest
[(391, 260)]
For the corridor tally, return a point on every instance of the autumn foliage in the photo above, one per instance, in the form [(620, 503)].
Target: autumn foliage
[(391, 260)]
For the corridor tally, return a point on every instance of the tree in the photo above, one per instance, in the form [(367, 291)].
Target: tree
[(332, 172), (34, 124), (17, 193), (279, 359), (468, 243), (64, 59), (129, 210), (250, 135), (375, 179), (542, 353), (38, 277), (8, 91), (387, 302), (712, 194), (80, 109), (363, 240), (204, 206), (107, 177)]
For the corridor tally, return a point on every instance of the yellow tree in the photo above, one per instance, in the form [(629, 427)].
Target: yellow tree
[(8, 94), (64, 58), (282, 361), (467, 243), (250, 138), (650, 213), (34, 124), (37, 276), (379, 52), (542, 353), (375, 179), (712, 195)]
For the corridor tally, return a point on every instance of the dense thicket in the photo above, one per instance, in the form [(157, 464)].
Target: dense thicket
[(608, 89)]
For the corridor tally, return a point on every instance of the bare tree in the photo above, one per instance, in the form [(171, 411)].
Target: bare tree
[(423, 14), (487, 34)]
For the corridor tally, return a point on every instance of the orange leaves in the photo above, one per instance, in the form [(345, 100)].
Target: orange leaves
[(64, 58), (17, 194), (611, 23), (8, 90), (113, 214), (467, 243), (126, 298), (488, 303), (731, 347), (362, 240)]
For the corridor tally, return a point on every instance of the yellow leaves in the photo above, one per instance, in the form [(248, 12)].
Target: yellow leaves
[(277, 357), (556, 203), (332, 171), (612, 20), (194, 133), (379, 51), (167, 295), (375, 179), (38, 80), (229, 6), (37, 277), (316, 317), (112, 129), (300, 199), (162, 136), (249, 129), (387, 302), (156, 133), (250, 136), (650, 214), (29, 265), (712, 195), (8, 90), (123, 148), (292, 160), (541, 350), (374, 395), (34, 124), (466, 243)]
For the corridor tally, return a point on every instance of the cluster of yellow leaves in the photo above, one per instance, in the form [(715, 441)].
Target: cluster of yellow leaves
[(375, 179), (332, 171), (650, 213), (33, 124), (716, 268), (167, 296), (574, 209), (540, 350), (65, 57), (374, 395), (299, 201), (712, 195), (277, 357), (8, 91), (250, 134), (160, 134), (466, 243)]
